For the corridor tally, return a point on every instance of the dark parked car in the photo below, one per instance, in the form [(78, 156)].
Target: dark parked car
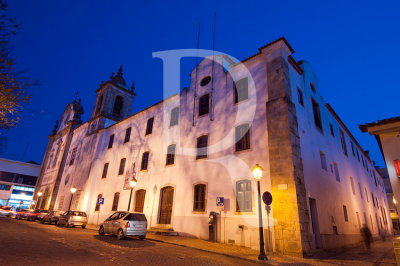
[(51, 217), (73, 218), (41, 214), (22, 213), (32, 216)]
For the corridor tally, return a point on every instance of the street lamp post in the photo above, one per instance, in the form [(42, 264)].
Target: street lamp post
[(37, 202), (257, 173), (132, 184), (73, 190)]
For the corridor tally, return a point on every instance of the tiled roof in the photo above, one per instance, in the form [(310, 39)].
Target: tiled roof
[(364, 127)]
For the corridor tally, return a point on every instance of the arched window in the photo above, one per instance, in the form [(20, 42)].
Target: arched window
[(115, 202), (99, 104), (199, 201), (118, 104), (243, 196), (97, 202)]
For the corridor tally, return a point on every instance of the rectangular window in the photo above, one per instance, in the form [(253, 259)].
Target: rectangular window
[(359, 187), (243, 196), (97, 208), (174, 117), (373, 199), (5, 187), (199, 202), (105, 170), (201, 151), (73, 155), (352, 149), (323, 161), (343, 141), (352, 185), (242, 137), (145, 160), (111, 141), (332, 132), (335, 166), (346, 218), (358, 220), (358, 157), (366, 194), (122, 167), (240, 88), (317, 114), (115, 202), (149, 126), (171, 154), (204, 104), (127, 135), (300, 97)]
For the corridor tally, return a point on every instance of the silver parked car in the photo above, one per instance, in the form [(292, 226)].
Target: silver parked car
[(73, 218), (125, 224)]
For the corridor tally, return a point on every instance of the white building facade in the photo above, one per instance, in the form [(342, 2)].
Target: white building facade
[(387, 134), (202, 143)]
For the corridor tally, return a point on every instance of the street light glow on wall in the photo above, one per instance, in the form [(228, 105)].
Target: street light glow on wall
[(39, 194), (394, 201), (257, 173), (73, 190), (132, 184)]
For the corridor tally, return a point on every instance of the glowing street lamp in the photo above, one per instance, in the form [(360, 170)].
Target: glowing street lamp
[(394, 201), (132, 184), (73, 190), (37, 202), (257, 173)]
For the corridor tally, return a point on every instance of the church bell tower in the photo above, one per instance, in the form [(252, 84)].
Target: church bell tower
[(113, 102)]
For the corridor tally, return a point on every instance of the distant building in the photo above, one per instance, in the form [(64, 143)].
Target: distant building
[(387, 134), (394, 214), (202, 143), (17, 182)]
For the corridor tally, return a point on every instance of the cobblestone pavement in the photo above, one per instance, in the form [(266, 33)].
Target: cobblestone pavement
[(23, 242), (381, 253), (32, 243)]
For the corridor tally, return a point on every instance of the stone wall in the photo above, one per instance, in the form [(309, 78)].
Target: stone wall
[(286, 169)]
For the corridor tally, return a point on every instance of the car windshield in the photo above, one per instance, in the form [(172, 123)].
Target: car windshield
[(78, 214), (136, 217)]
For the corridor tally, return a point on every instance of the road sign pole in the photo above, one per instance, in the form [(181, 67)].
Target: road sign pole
[(268, 208)]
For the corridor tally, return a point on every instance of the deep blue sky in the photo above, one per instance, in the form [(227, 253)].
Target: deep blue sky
[(73, 45)]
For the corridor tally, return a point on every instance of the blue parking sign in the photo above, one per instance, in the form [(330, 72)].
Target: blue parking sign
[(220, 201), (100, 201)]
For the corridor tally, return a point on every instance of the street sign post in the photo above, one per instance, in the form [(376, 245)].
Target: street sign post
[(100, 201), (267, 198), (220, 201)]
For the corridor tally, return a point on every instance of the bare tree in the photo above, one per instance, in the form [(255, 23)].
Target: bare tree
[(13, 85)]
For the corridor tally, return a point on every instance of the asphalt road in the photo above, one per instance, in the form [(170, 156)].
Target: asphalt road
[(32, 243)]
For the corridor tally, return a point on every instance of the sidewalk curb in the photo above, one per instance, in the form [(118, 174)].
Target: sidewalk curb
[(200, 249)]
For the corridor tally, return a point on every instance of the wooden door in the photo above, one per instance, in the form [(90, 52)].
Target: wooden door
[(167, 199), (139, 202)]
